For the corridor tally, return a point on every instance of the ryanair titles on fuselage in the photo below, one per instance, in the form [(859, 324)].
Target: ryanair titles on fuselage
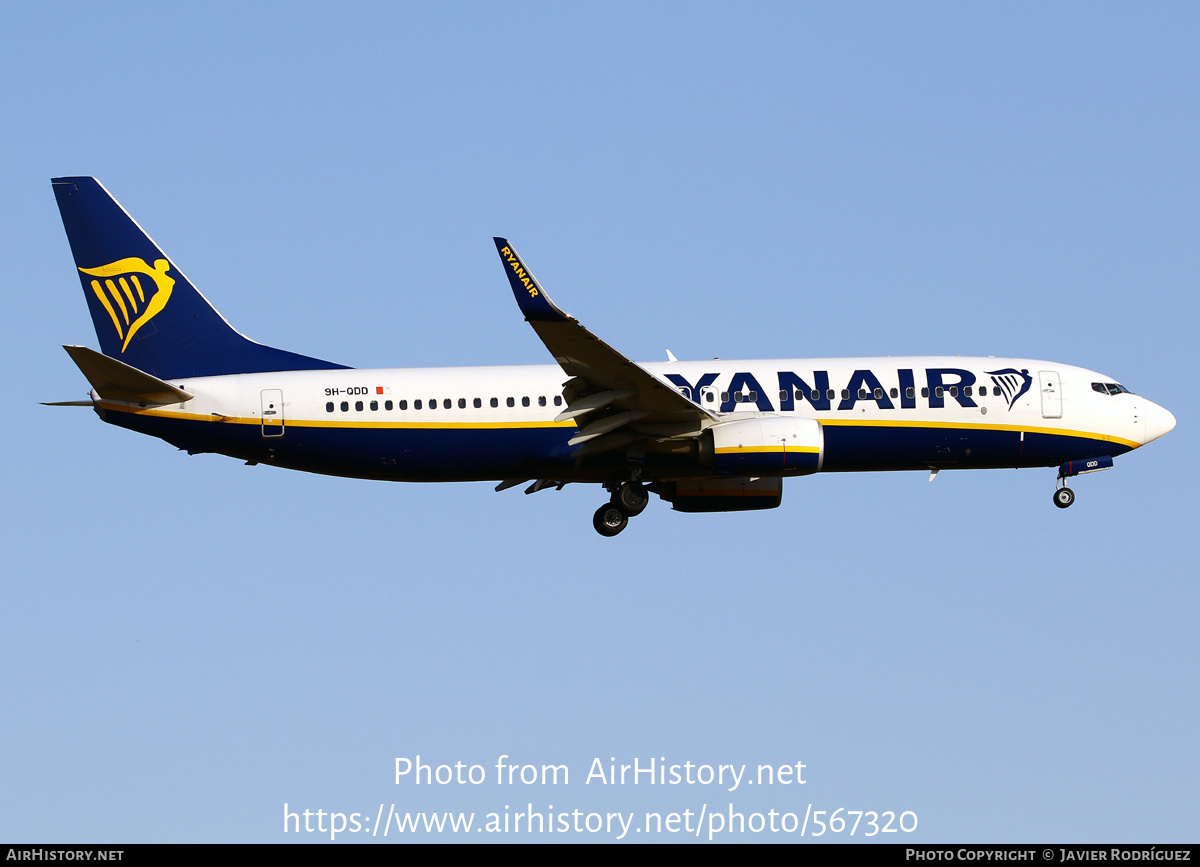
[(940, 384)]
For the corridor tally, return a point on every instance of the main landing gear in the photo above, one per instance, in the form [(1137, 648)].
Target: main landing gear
[(628, 500)]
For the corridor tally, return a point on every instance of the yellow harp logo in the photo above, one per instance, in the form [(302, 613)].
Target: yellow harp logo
[(130, 300)]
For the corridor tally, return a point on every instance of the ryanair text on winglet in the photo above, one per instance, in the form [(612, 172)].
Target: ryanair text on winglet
[(519, 269)]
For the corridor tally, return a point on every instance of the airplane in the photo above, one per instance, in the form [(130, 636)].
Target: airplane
[(705, 436)]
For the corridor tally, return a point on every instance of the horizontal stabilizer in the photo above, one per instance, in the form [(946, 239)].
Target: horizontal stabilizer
[(118, 381)]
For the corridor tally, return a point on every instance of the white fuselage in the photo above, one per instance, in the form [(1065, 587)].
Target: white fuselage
[(877, 413)]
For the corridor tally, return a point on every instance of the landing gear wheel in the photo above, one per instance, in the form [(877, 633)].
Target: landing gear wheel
[(631, 498), (609, 520), (1064, 497)]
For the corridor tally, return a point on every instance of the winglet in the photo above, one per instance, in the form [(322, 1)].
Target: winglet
[(531, 297)]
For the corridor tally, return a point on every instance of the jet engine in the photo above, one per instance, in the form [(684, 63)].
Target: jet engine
[(765, 446)]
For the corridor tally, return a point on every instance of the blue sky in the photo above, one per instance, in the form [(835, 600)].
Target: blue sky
[(190, 643)]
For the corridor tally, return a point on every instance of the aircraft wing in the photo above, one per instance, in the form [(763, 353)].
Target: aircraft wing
[(613, 399)]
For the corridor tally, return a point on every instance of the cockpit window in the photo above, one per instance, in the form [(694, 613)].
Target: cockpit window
[(1110, 388)]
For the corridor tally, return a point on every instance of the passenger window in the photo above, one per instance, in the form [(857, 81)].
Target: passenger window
[(939, 391), (446, 404), (416, 404), (862, 394), (754, 397), (358, 406), (814, 395), (783, 396), (462, 403), (910, 393), (404, 404), (495, 402), (737, 397), (967, 390), (829, 394), (387, 404), (511, 402), (925, 391), (558, 400), (542, 400), (345, 406), (708, 396), (895, 392), (478, 403), (845, 394), (374, 406), (878, 393), (954, 391), (329, 406), (724, 397), (524, 401)]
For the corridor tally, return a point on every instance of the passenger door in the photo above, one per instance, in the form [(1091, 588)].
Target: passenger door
[(1051, 393)]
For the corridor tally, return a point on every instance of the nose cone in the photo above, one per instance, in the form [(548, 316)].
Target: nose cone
[(1159, 422)]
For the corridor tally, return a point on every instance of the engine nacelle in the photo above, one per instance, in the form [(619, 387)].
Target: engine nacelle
[(767, 446), (721, 495)]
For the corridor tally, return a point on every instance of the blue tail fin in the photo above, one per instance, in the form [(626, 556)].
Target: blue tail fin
[(146, 313)]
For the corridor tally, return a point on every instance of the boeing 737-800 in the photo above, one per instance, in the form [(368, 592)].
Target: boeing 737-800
[(704, 436)]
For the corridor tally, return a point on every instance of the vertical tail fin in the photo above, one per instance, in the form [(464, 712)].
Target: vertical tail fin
[(146, 312)]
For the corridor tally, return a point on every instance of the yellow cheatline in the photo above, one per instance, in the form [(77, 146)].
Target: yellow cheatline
[(381, 425), (766, 449), (400, 425)]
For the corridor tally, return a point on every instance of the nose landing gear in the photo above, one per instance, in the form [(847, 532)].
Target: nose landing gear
[(628, 500), (1064, 497)]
